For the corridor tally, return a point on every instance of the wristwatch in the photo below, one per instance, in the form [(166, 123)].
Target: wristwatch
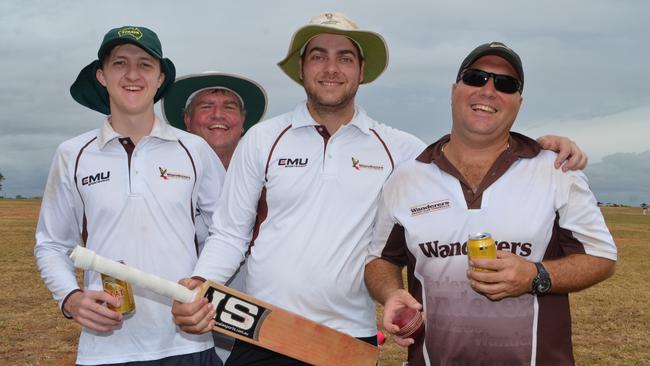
[(542, 282)]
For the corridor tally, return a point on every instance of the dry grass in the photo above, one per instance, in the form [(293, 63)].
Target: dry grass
[(32, 330), (611, 320)]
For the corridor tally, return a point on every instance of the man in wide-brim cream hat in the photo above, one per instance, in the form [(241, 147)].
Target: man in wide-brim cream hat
[(372, 45), (302, 190)]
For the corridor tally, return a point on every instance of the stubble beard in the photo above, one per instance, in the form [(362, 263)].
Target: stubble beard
[(324, 106)]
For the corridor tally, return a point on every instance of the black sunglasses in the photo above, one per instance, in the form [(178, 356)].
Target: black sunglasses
[(503, 83)]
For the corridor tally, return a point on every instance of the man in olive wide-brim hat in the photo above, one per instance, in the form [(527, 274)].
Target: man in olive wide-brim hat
[(128, 189), (302, 191), (219, 107)]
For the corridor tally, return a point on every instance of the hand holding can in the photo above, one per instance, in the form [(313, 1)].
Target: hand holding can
[(120, 289)]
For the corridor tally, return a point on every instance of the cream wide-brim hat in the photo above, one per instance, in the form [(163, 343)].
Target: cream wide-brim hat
[(372, 45)]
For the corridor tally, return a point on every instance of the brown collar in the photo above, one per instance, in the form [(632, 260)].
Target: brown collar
[(520, 147)]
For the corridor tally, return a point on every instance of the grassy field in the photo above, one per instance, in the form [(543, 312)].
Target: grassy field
[(611, 321)]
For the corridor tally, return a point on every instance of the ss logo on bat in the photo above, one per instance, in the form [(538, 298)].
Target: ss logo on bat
[(236, 314)]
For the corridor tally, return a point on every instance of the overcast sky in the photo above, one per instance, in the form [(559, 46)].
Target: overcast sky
[(585, 63)]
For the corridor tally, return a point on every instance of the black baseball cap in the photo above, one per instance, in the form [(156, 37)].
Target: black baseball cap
[(497, 49)]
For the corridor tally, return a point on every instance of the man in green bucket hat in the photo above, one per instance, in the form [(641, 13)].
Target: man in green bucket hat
[(219, 107), (301, 193), (128, 191)]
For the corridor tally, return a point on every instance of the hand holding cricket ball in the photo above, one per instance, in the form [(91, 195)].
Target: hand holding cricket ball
[(410, 323), (246, 318), (403, 318)]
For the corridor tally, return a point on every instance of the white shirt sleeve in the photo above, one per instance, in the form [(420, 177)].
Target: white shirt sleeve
[(232, 224), (209, 187), (403, 145), (58, 229), (580, 214)]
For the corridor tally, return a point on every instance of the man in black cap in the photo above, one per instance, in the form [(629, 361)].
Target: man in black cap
[(128, 191), (550, 234)]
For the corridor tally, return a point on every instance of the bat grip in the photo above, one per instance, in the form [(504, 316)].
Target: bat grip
[(89, 260)]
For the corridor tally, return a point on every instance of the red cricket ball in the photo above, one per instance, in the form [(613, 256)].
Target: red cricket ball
[(410, 323)]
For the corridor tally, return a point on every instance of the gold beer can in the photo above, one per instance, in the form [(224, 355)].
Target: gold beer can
[(481, 246), (121, 289)]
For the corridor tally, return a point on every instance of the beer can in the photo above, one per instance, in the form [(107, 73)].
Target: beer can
[(481, 246), (121, 289)]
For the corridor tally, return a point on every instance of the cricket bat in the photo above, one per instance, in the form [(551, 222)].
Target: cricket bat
[(247, 318)]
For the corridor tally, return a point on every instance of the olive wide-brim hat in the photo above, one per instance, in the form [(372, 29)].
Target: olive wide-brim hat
[(372, 45), (88, 91), (251, 95)]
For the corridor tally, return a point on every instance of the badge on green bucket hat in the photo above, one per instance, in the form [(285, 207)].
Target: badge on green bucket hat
[(87, 90)]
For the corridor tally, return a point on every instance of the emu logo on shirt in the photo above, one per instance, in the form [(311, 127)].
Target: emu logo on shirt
[(97, 178), (293, 163), (236, 314)]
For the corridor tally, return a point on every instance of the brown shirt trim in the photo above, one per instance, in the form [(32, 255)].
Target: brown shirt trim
[(520, 147), (554, 345), (84, 224), (392, 163), (268, 160), (262, 206), (325, 134), (196, 239), (65, 300)]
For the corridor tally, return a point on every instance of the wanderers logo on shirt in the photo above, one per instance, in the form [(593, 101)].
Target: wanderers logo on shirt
[(356, 164), (164, 174), (429, 207)]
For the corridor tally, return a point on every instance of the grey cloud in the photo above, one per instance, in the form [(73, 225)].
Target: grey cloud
[(621, 178), (583, 59)]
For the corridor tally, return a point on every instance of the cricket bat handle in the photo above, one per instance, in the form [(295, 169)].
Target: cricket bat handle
[(87, 259)]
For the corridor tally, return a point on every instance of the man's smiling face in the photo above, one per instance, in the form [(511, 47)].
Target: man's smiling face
[(484, 111), (217, 116)]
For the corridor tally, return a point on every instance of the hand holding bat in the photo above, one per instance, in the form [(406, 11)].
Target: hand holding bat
[(243, 317)]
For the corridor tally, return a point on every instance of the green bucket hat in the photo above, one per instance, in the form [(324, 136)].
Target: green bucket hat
[(251, 95), (90, 93), (372, 45)]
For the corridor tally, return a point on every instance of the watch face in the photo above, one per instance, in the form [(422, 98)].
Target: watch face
[(543, 286)]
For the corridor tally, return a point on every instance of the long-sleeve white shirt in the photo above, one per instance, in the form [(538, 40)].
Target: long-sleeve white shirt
[(314, 198), (133, 203)]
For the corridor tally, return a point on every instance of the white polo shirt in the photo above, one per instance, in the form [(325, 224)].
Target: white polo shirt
[(130, 203), (426, 213), (307, 201)]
